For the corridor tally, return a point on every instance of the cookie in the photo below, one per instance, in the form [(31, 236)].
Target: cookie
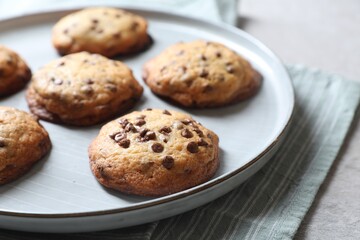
[(154, 153), (23, 142), (201, 74), (82, 89), (14, 73), (103, 30)]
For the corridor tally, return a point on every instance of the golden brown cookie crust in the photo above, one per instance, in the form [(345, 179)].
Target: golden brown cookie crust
[(82, 89), (23, 142), (14, 72), (103, 30), (154, 153), (201, 74)]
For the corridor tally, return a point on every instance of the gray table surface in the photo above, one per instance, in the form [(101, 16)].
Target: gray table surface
[(323, 34)]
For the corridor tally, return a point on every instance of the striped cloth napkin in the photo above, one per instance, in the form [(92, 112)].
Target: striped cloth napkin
[(272, 203)]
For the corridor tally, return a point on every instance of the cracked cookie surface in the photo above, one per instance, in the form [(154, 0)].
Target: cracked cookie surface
[(201, 74), (154, 153), (23, 141), (82, 89)]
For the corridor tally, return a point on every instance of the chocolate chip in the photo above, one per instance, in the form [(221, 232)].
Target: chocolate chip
[(57, 81), (93, 27), (117, 15), (164, 138), (158, 147), (116, 35), (130, 127), (207, 89), (186, 133), (89, 81), (125, 143), (61, 64), (199, 132), (202, 143), (178, 125), (2, 143), (166, 112), (143, 132), (123, 122), (202, 57), (85, 61), (165, 130), (134, 26), (87, 89), (181, 52), (221, 78), (192, 147), (168, 162), (119, 136), (66, 31), (148, 109), (218, 54), (141, 117), (183, 69), (95, 21), (100, 31), (140, 122), (204, 73), (230, 69), (150, 135), (186, 121), (163, 68), (111, 88)]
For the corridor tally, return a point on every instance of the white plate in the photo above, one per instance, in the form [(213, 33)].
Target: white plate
[(60, 193)]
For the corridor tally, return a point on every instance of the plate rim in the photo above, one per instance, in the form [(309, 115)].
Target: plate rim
[(190, 191)]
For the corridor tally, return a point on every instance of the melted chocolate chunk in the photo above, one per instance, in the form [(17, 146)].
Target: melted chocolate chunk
[(130, 127), (158, 147), (140, 122), (203, 73), (89, 81), (166, 112), (116, 35), (192, 147), (202, 143), (57, 81), (125, 143), (230, 69), (218, 54), (165, 130), (143, 132), (168, 162), (2, 143), (141, 117), (186, 133), (123, 122), (87, 89), (199, 132), (120, 136), (150, 135), (186, 121)]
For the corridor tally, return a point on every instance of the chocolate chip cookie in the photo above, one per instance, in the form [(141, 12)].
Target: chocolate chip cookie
[(23, 142), (82, 89), (14, 72), (153, 153), (201, 74), (103, 30)]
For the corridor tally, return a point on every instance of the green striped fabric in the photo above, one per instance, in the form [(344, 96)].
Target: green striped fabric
[(272, 203)]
